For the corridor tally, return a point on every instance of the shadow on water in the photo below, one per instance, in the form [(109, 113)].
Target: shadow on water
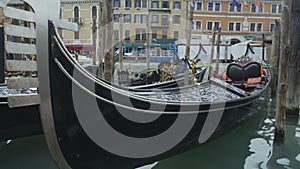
[(249, 146)]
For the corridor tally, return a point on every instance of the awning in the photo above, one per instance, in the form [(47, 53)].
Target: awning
[(80, 47)]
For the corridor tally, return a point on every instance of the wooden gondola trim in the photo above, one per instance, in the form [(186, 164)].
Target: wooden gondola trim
[(22, 82), (23, 100), (21, 65)]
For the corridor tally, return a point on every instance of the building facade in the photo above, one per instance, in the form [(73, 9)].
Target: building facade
[(164, 21), (245, 18)]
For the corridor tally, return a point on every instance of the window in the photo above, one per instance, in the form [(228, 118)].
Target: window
[(154, 4), (217, 6), (117, 17), (253, 8), (260, 9), (231, 26), (198, 25), (209, 26), (216, 25), (116, 34), (154, 18), (164, 20), (165, 4), (138, 4), (76, 14), (252, 27), (274, 8), (76, 35), (238, 26), (140, 34), (279, 8), (94, 12), (176, 34), (231, 8), (127, 18), (176, 19), (143, 34), (144, 3), (272, 25), (127, 34), (154, 34), (140, 18), (210, 6), (177, 5), (198, 6), (259, 27), (165, 34), (127, 3), (117, 3)]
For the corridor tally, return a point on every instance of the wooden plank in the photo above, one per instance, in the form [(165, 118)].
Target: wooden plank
[(19, 31), (231, 88), (22, 82), (3, 3), (64, 24), (2, 56), (23, 100), (21, 65), (19, 14), (20, 48)]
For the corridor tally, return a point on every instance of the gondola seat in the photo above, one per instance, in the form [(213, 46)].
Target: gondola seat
[(236, 73), (244, 76)]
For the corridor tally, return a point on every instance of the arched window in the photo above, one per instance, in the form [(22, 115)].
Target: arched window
[(94, 12), (76, 20), (76, 14)]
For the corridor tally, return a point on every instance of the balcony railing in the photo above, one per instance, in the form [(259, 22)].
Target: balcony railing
[(79, 21)]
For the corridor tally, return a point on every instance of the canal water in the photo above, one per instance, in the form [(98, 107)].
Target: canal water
[(249, 146)]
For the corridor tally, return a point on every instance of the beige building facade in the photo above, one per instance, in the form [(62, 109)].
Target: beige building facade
[(164, 21), (247, 18)]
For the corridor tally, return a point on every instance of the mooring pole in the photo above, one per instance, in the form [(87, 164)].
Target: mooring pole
[(263, 47), (275, 56), (218, 51), (121, 43), (94, 35), (293, 96), (282, 85), (210, 73), (2, 55)]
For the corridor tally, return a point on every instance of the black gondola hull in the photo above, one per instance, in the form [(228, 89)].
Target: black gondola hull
[(101, 126)]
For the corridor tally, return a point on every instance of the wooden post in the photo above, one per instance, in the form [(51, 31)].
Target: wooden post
[(109, 50), (2, 55), (102, 37), (211, 72), (226, 53), (293, 92), (218, 51), (275, 56), (263, 47), (121, 43), (94, 31), (282, 85), (189, 29), (148, 43)]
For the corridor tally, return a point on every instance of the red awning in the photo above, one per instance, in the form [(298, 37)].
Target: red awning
[(79, 47)]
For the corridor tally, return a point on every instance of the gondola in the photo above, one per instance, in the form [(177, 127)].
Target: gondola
[(18, 122), (100, 125)]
